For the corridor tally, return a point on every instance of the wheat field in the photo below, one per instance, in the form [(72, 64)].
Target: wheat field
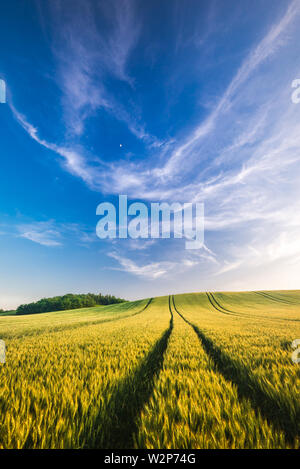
[(201, 370)]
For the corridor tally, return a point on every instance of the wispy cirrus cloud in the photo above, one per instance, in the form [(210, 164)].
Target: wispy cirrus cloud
[(242, 159), (87, 52), (151, 270), (266, 249), (51, 233), (133, 177), (268, 46), (43, 233)]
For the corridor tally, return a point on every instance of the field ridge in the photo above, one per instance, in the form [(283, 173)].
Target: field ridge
[(78, 325), (178, 376)]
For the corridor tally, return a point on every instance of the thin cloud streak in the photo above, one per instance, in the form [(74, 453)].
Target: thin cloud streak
[(116, 178), (258, 191), (154, 270), (51, 233), (267, 47), (41, 233), (86, 56), (151, 270)]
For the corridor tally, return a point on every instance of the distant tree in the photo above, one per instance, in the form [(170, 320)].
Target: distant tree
[(68, 301)]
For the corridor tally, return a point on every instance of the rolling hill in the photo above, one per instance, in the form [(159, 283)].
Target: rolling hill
[(201, 370)]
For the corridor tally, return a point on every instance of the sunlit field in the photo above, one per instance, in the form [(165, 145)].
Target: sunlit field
[(207, 370)]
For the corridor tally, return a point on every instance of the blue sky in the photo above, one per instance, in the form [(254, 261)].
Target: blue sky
[(199, 96)]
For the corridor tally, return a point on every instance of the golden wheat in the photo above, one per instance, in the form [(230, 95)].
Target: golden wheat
[(193, 371)]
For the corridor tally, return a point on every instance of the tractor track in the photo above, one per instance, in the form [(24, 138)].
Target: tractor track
[(132, 394), (237, 374), (273, 298), (221, 309)]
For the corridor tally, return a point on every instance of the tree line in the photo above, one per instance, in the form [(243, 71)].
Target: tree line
[(69, 301)]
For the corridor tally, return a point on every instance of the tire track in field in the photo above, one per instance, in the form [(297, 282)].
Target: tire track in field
[(53, 329), (248, 387), (131, 395), (218, 307), (273, 298), (221, 309)]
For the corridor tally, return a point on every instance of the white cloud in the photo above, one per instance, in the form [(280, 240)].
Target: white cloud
[(136, 178), (242, 160), (266, 48), (86, 54), (51, 233), (185, 260), (41, 233), (152, 270), (140, 244)]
